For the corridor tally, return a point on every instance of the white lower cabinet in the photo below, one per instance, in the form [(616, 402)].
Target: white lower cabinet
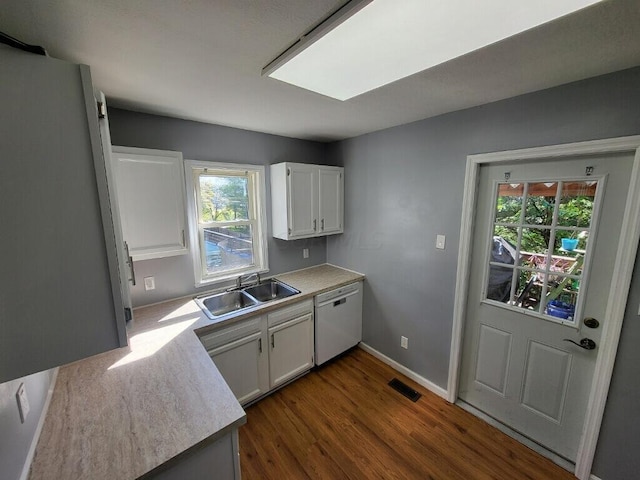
[(290, 348), (240, 353), (261, 353)]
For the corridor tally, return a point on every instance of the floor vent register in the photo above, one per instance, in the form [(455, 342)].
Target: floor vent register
[(405, 390)]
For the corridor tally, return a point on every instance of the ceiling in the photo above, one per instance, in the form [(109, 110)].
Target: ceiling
[(202, 60)]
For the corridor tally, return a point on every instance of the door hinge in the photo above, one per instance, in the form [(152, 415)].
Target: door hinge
[(102, 112)]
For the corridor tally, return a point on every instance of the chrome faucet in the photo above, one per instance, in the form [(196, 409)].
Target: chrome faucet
[(246, 278)]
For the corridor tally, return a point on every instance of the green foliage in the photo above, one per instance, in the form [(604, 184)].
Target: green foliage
[(223, 198)]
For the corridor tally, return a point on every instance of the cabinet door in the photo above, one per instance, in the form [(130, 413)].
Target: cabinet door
[(59, 295), (330, 200), (290, 349), (150, 197), (302, 203), (244, 365)]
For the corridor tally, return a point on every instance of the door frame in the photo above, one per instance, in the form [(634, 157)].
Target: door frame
[(618, 293)]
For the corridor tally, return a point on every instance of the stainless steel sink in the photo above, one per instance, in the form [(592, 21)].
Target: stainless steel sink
[(225, 304), (220, 304), (271, 290)]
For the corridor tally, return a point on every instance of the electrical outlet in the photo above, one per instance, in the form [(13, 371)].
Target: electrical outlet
[(305, 253), (149, 283), (404, 342), (440, 242), (23, 402)]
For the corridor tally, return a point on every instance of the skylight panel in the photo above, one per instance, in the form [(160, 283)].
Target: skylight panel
[(387, 40)]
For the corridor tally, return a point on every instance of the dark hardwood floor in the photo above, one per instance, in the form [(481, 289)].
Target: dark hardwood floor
[(343, 421)]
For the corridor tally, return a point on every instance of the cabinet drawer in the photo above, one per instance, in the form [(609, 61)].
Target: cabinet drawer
[(232, 332), (287, 313)]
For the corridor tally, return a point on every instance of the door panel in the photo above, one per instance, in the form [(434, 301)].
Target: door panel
[(519, 266), (546, 380), (494, 350)]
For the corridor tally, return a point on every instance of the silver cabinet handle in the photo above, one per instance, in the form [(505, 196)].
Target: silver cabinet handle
[(322, 224), (314, 224), (260, 345), (273, 342), (130, 263)]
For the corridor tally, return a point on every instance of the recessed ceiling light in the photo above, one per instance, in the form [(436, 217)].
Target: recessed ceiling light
[(368, 44)]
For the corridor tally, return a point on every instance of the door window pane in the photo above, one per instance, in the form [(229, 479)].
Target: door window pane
[(540, 205), (529, 290), (509, 203), (576, 204)]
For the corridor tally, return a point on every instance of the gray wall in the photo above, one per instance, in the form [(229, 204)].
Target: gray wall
[(199, 141), (404, 185), (16, 437)]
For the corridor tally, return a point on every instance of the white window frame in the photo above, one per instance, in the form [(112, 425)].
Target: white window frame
[(257, 207)]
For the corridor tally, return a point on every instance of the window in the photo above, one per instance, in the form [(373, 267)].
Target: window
[(540, 239), (227, 219)]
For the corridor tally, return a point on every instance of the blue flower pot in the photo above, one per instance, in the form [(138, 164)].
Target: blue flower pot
[(559, 309), (569, 244)]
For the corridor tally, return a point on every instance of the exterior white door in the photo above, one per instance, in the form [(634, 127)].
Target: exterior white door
[(544, 247)]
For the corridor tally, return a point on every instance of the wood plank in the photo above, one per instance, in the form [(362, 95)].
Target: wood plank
[(342, 421)]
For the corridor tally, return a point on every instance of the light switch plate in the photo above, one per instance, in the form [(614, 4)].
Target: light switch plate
[(305, 253), (23, 402), (440, 242), (149, 283)]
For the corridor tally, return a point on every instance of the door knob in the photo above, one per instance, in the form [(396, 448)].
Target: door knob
[(585, 343)]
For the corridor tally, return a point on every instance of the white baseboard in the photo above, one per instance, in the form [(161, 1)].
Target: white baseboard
[(36, 436), (432, 387), (593, 477)]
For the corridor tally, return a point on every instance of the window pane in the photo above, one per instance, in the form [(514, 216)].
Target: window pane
[(534, 247), (562, 297), (228, 248), (509, 203), (529, 290), (223, 198), (510, 234), (576, 204), (541, 199), (500, 278), (570, 248)]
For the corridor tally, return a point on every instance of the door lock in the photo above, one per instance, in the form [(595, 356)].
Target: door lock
[(591, 322), (585, 343)]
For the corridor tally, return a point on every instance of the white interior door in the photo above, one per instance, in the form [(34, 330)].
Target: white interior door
[(530, 292)]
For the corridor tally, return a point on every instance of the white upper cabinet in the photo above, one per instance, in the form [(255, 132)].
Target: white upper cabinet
[(330, 204), (306, 200), (150, 197)]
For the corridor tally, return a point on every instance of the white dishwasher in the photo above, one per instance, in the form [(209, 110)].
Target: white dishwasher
[(338, 321)]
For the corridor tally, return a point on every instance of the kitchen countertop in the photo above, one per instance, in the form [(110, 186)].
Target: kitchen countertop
[(123, 413)]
